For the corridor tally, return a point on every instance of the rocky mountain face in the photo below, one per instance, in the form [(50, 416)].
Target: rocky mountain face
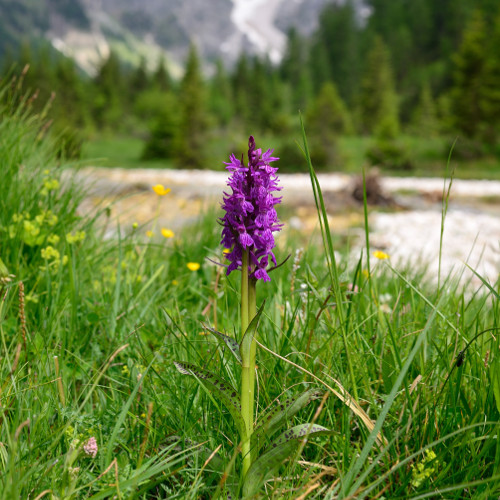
[(88, 29)]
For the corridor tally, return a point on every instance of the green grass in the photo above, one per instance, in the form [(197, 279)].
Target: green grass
[(118, 151), (428, 155), (117, 313)]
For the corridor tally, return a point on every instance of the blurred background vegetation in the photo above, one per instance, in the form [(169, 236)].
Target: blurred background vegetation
[(394, 91)]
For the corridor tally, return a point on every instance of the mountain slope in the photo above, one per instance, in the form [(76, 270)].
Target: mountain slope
[(88, 29)]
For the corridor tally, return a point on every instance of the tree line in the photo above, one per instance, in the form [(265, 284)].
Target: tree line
[(415, 66)]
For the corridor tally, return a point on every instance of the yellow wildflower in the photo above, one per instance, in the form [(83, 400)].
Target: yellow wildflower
[(49, 185), (378, 254), (30, 228), (53, 239), (160, 189), (51, 218), (175, 282), (50, 252), (422, 470), (193, 266), (167, 233), (75, 237), (226, 251), (149, 234)]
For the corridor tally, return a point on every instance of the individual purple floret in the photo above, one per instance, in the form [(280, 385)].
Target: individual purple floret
[(250, 219)]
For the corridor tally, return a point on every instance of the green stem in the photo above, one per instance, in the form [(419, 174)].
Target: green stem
[(248, 311), (244, 293)]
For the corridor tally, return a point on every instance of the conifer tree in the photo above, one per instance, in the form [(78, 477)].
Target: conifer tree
[(328, 113), (296, 72), (339, 34), (489, 98), (468, 75), (378, 100), (193, 125), (425, 122), (326, 120), (69, 104), (221, 98), (109, 92), (165, 126), (161, 77), (139, 79), (241, 88), (318, 64)]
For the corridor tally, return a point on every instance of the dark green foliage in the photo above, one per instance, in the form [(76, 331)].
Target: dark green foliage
[(295, 71), (139, 79), (469, 70), (327, 119), (109, 90), (489, 100), (378, 102), (221, 99), (389, 154), (161, 77), (422, 67), (425, 119), (337, 44), (193, 118), (241, 89), (163, 110)]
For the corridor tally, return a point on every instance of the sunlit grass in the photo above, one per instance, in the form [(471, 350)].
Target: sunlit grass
[(428, 155), (88, 344)]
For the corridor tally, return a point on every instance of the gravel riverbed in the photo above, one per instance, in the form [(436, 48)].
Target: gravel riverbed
[(410, 234)]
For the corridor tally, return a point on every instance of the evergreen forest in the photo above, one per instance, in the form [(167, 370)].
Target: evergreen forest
[(395, 89)]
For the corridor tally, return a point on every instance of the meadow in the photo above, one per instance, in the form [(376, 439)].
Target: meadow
[(428, 154), (92, 405)]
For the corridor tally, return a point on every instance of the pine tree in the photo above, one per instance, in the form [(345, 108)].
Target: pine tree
[(139, 79), (425, 122), (328, 113), (221, 97), (338, 35), (378, 100), (241, 88), (326, 120), (468, 77), (162, 141), (69, 104), (260, 94), (296, 72), (318, 64), (161, 77), (109, 92), (489, 93), (193, 126)]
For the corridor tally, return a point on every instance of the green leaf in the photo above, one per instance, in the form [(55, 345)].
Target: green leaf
[(216, 467), (246, 341), (485, 283), (277, 452), (278, 415), (225, 392), (110, 445), (495, 379), (233, 345), (389, 372)]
